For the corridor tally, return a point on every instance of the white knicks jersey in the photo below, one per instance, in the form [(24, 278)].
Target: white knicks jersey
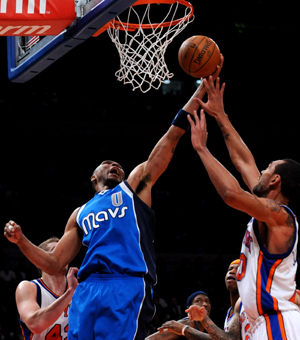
[(57, 331), (243, 321), (228, 319), (266, 282), (245, 325)]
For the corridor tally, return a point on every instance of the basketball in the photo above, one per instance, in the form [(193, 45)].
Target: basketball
[(199, 56)]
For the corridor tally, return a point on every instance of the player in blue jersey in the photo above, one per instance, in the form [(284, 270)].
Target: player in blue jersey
[(43, 304), (266, 274), (114, 297)]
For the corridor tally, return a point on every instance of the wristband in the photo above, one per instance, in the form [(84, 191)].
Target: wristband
[(181, 120), (183, 329)]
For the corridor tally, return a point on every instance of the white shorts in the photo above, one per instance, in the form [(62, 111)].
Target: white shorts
[(284, 326)]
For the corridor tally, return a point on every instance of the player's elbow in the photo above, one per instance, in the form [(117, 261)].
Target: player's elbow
[(35, 326), (230, 197)]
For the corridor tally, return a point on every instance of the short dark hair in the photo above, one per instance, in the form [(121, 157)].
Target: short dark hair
[(289, 172), (44, 245)]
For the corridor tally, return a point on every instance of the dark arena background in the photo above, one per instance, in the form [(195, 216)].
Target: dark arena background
[(59, 126)]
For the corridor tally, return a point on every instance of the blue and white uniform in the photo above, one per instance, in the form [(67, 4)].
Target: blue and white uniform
[(243, 321), (267, 286), (59, 330), (228, 319), (118, 270)]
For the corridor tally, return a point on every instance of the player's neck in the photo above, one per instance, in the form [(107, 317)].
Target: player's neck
[(277, 197), (56, 283), (233, 298)]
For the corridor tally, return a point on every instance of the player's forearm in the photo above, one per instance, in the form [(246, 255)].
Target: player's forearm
[(215, 332), (192, 105), (37, 256), (226, 185), (193, 334), (162, 154), (45, 317), (238, 150), (163, 336)]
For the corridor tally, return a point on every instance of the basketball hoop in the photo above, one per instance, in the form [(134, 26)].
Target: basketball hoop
[(142, 42)]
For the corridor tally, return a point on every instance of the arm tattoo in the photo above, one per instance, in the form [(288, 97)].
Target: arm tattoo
[(217, 333), (290, 221), (225, 135), (273, 205)]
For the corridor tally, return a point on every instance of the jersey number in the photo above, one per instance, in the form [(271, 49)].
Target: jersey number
[(55, 333), (242, 267)]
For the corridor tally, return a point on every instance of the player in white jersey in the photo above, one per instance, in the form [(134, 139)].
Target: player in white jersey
[(43, 304), (236, 312), (231, 286), (268, 255)]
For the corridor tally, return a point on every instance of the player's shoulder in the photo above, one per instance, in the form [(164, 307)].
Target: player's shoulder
[(25, 287), (136, 176), (238, 305), (279, 214)]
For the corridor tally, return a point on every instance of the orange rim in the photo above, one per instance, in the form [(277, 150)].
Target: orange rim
[(132, 27)]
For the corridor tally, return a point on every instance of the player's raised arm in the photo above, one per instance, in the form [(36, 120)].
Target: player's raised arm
[(49, 262), (228, 187), (239, 153), (143, 177)]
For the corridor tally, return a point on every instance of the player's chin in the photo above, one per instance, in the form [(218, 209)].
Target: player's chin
[(231, 285), (113, 181)]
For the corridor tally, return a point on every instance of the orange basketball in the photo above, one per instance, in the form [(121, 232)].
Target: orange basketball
[(199, 56)]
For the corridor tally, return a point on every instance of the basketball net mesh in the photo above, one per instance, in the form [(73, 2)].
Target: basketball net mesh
[(142, 50)]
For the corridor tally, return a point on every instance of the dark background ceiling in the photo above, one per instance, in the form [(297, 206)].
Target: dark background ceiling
[(56, 128)]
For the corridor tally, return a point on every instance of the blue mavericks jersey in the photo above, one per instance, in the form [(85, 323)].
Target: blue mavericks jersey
[(118, 229)]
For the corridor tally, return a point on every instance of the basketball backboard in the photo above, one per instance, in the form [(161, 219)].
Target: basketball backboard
[(24, 63)]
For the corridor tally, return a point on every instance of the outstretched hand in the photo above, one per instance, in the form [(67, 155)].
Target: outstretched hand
[(198, 130), (214, 105), (13, 232), (196, 313)]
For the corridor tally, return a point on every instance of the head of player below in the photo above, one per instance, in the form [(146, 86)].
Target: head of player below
[(107, 175), (230, 277), (200, 299), (281, 180), (48, 246)]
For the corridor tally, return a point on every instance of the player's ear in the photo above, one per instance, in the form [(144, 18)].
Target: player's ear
[(275, 179), (93, 179)]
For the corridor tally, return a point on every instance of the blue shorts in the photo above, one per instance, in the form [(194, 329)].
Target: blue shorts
[(110, 307)]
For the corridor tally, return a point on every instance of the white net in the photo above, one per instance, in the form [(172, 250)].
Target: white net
[(142, 45)]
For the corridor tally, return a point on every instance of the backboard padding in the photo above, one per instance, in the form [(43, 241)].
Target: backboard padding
[(51, 48)]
